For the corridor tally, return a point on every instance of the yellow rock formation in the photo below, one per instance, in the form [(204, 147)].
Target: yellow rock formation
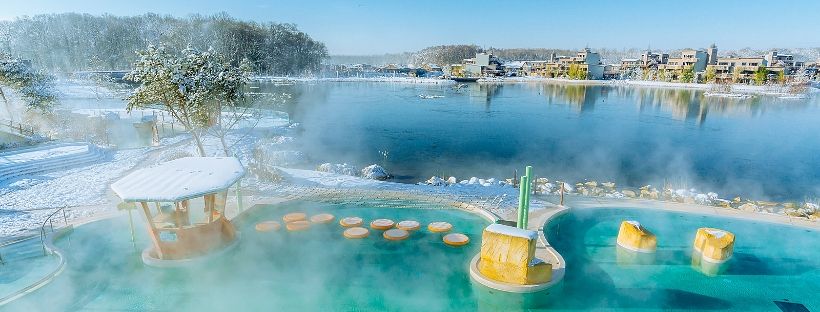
[(508, 255), (714, 245), (635, 237)]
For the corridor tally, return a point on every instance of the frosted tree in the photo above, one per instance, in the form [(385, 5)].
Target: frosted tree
[(193, 87), (35, 88)]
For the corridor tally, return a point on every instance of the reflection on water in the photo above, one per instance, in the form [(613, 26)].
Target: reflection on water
[(761, 146)]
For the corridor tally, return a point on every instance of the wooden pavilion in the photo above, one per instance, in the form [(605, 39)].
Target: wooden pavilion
[(184, 204)]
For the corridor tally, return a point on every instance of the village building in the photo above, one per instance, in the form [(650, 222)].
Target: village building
[(586, 62), (483, 65)]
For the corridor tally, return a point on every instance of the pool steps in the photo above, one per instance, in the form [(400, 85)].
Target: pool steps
[(14, 170)]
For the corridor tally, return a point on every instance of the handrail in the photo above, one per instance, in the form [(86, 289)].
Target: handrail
[(48, 220)]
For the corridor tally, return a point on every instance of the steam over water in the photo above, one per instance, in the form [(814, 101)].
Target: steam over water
[(762, 147)]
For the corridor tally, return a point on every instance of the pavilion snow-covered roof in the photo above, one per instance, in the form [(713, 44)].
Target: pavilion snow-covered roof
[(179, 179)]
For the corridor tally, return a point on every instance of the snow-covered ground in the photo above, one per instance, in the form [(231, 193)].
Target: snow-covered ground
[(25, 203)]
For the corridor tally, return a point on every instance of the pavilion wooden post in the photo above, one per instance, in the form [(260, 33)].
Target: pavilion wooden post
[(238, 196), (152, 230), (131, 225), (209, 206)]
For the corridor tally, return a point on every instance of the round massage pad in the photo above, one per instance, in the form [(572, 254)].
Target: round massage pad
[(267, 226), (408, 225), (456, 239), (295, 216), (356, 232), (439, 227), (322, 218), (351, 221), (300, 225), (396, 234), (382, 224)]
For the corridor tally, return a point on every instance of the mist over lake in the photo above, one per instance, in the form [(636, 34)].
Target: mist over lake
[(763, 146)]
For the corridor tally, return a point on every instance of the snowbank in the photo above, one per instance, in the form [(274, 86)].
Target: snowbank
[(338, 169)]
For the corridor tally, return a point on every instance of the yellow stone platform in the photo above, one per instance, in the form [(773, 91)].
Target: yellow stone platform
[(635, 237), (508, 255), (714, 245)]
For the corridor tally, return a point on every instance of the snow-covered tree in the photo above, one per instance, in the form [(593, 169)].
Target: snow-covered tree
[(193, 87), (35, 88)]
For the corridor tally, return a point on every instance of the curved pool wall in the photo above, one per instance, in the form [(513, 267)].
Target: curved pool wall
[(773, 264), (306, 271)]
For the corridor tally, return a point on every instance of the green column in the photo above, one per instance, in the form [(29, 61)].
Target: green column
[(522, 197), (528, 172)]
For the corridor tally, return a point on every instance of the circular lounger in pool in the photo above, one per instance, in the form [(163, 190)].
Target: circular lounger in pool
[(300, 225), (396, 234), (322, 218), (456, 239), (356, 232), (382, 224), (267, 226), (439, 227), (351, 221), (295, 216), (408, 225)]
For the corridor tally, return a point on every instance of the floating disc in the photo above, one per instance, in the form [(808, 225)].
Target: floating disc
[(408, 225), (396, 234), (456, 239), (356, 232), (300, 225), (382, 224), (267, 226), (295, 216), (439, 227), (322, 218), (351, 221)]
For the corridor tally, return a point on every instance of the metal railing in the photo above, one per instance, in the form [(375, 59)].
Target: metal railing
[(410, 198), (50, 222), (18, 128)]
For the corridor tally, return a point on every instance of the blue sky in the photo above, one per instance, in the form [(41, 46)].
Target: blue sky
[(384, 26)]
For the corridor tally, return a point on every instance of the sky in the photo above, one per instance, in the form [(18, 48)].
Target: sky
[(365, 27)]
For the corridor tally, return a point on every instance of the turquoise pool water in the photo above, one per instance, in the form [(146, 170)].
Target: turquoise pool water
[(770, 263), (317, 270)]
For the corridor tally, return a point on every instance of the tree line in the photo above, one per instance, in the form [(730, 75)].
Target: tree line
[(75, 42)]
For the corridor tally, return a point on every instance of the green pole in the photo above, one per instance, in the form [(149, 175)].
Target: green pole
[(528, 172), (522, 194)]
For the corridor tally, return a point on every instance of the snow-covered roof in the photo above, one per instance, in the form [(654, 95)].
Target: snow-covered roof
[(179, 179)]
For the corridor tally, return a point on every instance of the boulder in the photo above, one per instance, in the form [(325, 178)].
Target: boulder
[(748, 207), (375, 172), (633, 236), (435, 181), (714, 245), (629, 193)]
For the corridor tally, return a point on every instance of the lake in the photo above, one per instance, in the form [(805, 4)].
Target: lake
[(763, 147)]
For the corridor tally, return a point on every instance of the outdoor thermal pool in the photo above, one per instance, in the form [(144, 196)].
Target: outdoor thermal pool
[(771, 262), (317, 269), (320, 270)]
